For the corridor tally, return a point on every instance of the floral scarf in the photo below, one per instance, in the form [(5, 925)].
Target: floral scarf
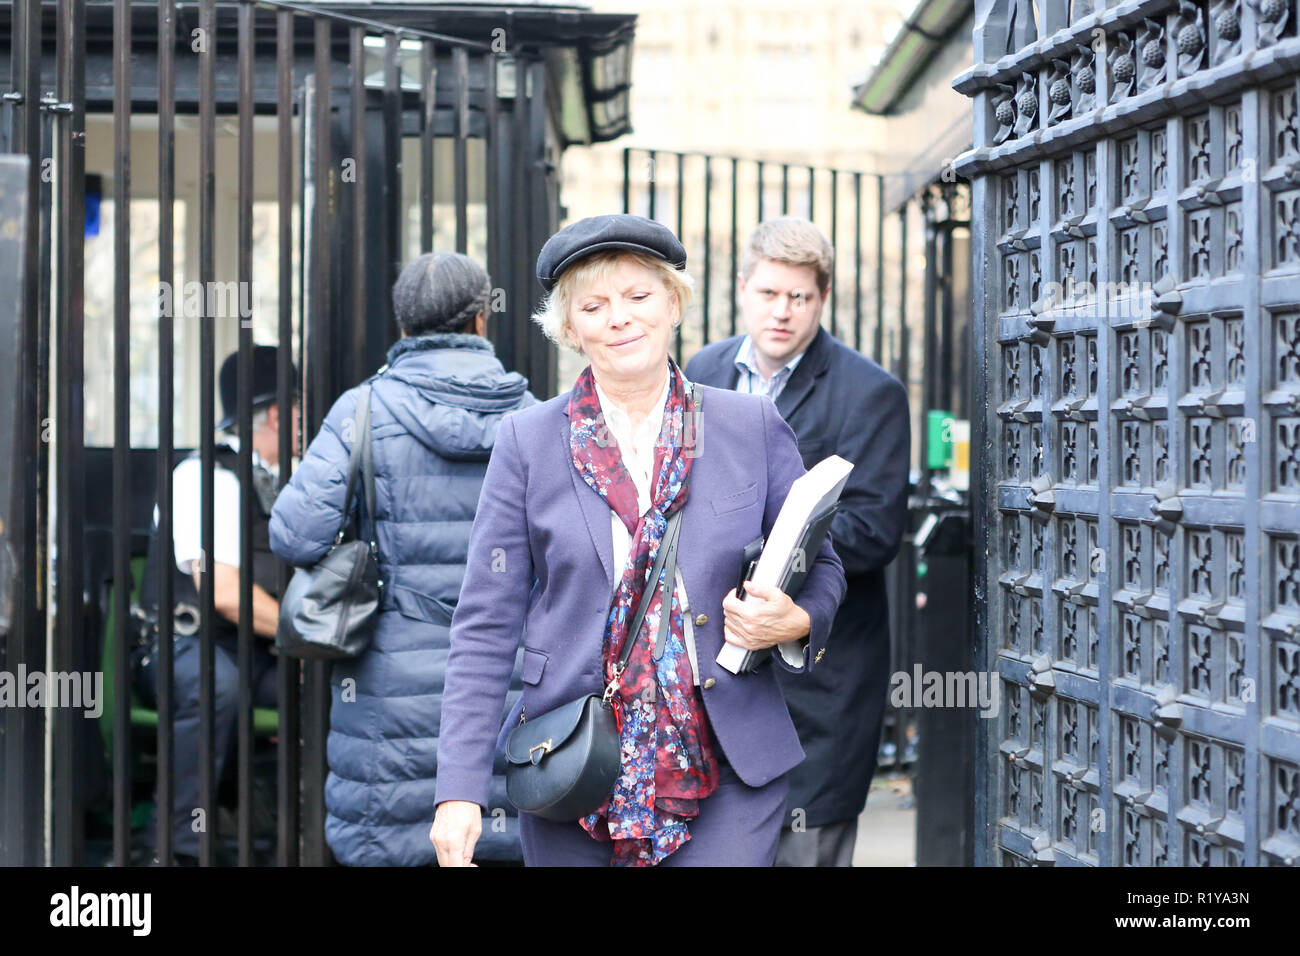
[(668, 762)]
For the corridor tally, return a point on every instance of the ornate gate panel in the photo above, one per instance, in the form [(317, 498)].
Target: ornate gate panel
[(1136, 222)]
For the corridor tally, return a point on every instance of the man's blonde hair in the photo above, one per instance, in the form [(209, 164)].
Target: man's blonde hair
[(793, 241), (553, 312)]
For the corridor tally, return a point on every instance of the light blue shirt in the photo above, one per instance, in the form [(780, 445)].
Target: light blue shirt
[(751, 380)]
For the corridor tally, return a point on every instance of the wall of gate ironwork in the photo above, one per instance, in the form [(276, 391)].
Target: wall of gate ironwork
[(1136, 224)]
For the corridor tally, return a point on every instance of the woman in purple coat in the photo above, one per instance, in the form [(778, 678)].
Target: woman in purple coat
[(574, 505)]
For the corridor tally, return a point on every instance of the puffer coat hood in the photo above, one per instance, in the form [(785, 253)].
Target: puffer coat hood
[(436, 408), (458, 393)]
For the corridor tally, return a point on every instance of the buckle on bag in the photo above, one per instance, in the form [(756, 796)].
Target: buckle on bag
[(613, 684), (545, 747)]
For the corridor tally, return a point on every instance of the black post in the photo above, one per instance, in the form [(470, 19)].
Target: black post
[(627, 179), (904, 336), (492, 182), (121, 431), (356, 191), (22, 736), (857, 264), (680, 190), (880, 267), (207, 808), (708, 245), (429, 84), (944, 776), (68, 744), (460, 67), (930, 349), (316, 683), (392, 170), (166, 396), (835, 224), (244, 230), (731, 276), (288, 671), (22, 730), (654, 182)]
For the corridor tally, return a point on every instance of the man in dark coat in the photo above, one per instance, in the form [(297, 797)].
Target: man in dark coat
[(838, 402)]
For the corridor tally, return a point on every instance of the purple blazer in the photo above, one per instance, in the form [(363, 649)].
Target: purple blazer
[(540, 567)]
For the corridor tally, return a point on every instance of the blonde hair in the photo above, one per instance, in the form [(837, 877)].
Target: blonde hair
[(553, 312), (794, 241)]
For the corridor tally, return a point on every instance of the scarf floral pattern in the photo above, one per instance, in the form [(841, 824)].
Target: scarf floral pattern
[(668, 762)]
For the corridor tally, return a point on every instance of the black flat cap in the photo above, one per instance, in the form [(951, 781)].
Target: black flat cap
[(598, 233)]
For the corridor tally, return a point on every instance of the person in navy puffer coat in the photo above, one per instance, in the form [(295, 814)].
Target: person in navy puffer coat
[(435, 411)]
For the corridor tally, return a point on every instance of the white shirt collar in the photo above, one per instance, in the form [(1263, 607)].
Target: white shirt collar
[(231, 439), (745, 358), (618, 420)]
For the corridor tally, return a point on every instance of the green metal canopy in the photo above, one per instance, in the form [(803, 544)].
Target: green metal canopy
[(922, 35)]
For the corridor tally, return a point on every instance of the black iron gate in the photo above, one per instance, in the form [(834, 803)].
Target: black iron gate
[(1137, 231), (343, 94)]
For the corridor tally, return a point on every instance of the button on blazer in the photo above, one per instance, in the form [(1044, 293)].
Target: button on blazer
[(540, 570)]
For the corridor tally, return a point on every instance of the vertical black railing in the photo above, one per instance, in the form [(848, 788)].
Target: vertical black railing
[(22, 743), (288, 671), (460, 67), (166, 396), (680, 190), (247, 495), (121, 423), (429, 79), (357, 64), (316, 332), (859, 266), (68, 796), (333, 312), (207, 420)]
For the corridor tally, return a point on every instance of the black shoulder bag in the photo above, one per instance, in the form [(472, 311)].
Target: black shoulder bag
[(562, 765), (326, 612)]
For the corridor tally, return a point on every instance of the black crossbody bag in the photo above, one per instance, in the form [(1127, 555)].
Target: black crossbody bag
[(327, 610), (562, 765)]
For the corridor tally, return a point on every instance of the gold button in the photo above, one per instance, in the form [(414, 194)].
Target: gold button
[(701, 620), (709, 682)]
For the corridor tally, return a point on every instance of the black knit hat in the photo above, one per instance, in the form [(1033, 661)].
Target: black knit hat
[(264, 382), (597, 233)]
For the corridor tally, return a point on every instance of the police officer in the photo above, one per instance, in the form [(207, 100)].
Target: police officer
[(188, 570)]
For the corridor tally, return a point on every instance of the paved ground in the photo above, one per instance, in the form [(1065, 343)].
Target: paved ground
[(887, 827)]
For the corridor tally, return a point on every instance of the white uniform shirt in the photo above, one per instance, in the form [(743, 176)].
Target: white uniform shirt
[(186, 531), (638, 449)]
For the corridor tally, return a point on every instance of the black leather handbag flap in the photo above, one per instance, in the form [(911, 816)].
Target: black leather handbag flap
[(533, 740)]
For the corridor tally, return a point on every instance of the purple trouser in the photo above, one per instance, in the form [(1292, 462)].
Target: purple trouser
[(738, 825)]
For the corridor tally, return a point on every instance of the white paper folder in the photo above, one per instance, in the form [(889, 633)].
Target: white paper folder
[(792, 544)]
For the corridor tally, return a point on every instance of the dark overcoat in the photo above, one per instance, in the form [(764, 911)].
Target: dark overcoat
[(839, 402)]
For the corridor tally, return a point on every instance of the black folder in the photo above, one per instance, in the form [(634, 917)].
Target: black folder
[(810, 542)]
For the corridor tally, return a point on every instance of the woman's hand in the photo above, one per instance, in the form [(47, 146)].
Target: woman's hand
[(456, 828), (769, 620)]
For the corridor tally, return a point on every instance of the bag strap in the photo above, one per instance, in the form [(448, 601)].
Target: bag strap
[(670, 578), (667, 554), (368, 478), (360, 450), (666, 546)]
